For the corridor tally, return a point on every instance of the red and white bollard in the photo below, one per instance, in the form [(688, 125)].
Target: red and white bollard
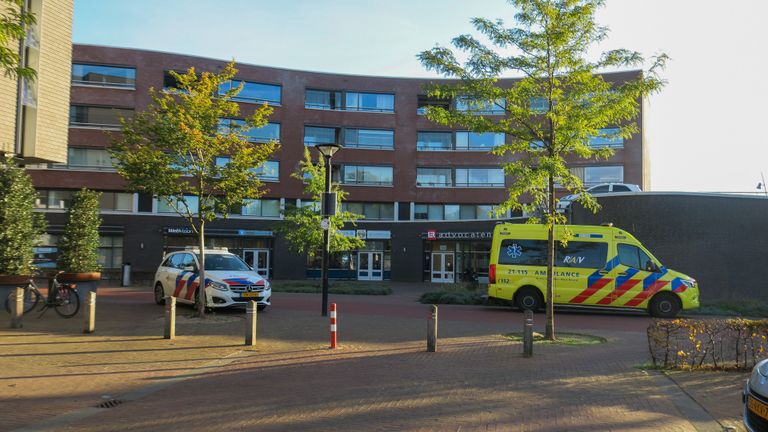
[(333, 325)]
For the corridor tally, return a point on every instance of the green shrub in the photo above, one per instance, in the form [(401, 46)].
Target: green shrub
[(79, 245), (334, 287), (20, 226)]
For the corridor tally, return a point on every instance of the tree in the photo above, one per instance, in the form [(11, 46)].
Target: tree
[(14, 20), (20, 226), (171, 151), (551, 113), (301, 225), (79, 245)]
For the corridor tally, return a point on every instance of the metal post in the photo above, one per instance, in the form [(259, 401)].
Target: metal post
[(90, 313), (528, 334), (333, 325), (326, 238), (17, 308), (250, 323), (170, 318), (432, 330)]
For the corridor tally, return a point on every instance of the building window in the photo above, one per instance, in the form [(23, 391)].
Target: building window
[(253, 92), (103, 76), (349, 101), (266, 133), (434, 177), (478, 140), (599, 174), (474, 106), (367, 175), (371, 211), (98, 116), (539, 104), (191, 201), (116, 201), (475, 177), (607, 137), (369, 138), (89, 158), (266, 208), (53, 199), (110, 252), (434, 141), (452, 211), (425, 101), (268, 171), (323, 99), (320, 135), (460, 177)]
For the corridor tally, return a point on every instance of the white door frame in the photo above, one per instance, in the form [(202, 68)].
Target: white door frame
[(369, 272), (263, 271), (441, 275)]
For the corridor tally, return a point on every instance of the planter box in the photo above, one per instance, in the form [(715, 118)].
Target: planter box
[(86, 283), (10, 283)]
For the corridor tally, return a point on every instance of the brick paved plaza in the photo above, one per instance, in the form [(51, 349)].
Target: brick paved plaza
[(381, 379)]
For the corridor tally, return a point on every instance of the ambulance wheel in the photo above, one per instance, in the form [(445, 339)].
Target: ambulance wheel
[(664, 305), (529, 298), (159, 294)]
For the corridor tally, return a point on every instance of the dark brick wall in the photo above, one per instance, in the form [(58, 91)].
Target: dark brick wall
[(721, 241)]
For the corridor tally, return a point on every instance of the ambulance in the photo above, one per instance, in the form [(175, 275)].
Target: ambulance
[(601, 266)]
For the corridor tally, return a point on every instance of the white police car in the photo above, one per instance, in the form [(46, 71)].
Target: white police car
[(755, 398), (230, 281)]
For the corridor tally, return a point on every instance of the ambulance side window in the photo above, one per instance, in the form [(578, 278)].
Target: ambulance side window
[(523, 252), (633, 256), (582, 254)]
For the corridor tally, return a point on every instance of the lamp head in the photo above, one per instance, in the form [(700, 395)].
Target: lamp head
[(328, 150)]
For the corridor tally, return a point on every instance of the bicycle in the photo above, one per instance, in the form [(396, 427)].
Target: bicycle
[(62, 297)]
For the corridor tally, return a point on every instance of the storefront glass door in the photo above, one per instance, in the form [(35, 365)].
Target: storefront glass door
[(442, 267), (370, 266), (258, 259)]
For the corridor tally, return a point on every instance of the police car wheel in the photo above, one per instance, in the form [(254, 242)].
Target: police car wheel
[(664, 305), (529, 298), (159, 294), (261, 307)]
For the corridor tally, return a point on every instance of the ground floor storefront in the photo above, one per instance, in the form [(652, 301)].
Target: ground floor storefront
[(449, 252)]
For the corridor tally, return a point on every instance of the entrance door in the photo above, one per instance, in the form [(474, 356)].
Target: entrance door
[(442, 267), (370, 266), (259, 260)]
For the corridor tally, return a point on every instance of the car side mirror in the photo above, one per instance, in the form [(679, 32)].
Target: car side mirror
[(189, 268), (652, 267)]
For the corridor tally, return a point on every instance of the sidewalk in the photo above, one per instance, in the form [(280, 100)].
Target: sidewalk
[(380, 379)]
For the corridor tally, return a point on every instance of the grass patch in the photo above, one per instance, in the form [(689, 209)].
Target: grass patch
[(458, 293), (334, 287), (562, 339), (731, 307)]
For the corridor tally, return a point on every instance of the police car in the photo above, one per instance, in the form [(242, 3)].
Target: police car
[(230, 281)]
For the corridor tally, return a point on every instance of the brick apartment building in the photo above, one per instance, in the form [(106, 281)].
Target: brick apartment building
[(425, 189)]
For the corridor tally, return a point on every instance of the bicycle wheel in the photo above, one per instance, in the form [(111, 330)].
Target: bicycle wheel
[(67, 302), (31, 298)]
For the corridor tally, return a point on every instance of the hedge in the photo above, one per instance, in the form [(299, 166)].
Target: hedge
[(721, 344)]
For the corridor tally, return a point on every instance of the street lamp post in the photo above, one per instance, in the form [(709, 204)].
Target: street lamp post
[(328, 209)]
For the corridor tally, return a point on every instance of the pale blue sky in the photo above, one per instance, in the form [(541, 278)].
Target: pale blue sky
[(704, 129)]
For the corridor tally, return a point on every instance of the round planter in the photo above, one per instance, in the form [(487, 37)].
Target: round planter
[(86, 283), (8, 283)]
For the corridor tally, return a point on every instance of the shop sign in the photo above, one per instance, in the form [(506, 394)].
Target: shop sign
[(254, 233), (453, 235), (379, 235), (361, 234), (177, 230)]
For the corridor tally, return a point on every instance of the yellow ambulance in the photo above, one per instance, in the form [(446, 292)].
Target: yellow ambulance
[(601, 266)]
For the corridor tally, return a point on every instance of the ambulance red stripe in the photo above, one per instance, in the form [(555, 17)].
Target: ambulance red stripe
[(643, 295), (589, 292), (618, 292)]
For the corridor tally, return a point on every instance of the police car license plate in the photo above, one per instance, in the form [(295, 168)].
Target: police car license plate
[(252, 294), (758, 407)]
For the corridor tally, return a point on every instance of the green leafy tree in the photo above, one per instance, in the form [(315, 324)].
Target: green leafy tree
[(551, 113), (20, 226), (14, 20), (170, 150), (79, 245), (301, 225)]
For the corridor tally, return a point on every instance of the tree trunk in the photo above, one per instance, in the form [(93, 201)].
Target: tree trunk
[(549, 332), (201, 280)]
